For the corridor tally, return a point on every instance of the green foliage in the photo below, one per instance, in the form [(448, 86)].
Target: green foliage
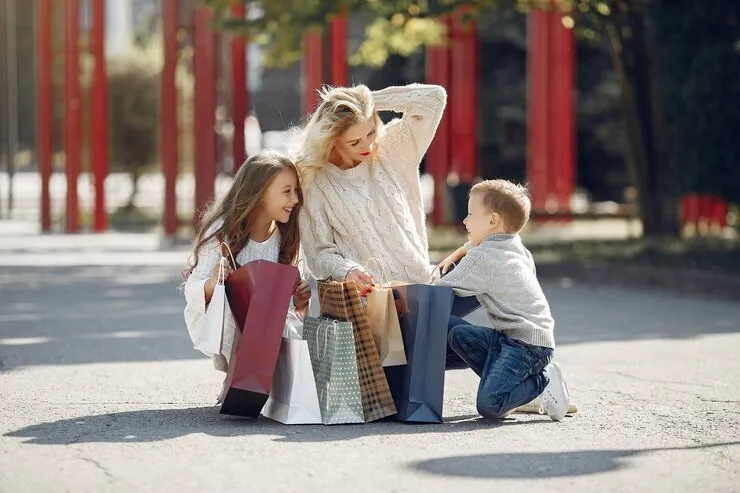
[(133, 85), (700, 66)]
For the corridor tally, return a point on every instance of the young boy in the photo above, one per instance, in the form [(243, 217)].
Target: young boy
[(512, 359)]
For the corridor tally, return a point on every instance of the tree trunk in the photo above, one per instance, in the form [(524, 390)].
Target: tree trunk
[(647, 158), (134, 185)]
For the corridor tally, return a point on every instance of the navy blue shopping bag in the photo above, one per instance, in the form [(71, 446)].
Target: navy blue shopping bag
[(418, 387)]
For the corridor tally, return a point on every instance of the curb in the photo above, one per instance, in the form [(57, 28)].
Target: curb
[(684, 281)]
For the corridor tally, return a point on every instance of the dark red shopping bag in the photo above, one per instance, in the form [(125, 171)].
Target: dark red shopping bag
[(259, 295)]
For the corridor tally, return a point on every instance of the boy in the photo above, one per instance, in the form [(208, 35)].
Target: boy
[(512, 359)]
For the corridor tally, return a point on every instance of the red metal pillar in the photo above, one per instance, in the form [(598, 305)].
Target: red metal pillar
[(537, 110), (168, 115), (562, 126), (551, 127), (438, 156), (313, 68), (338, 38), (239, 90), (463, 107), (72, 111), (44, 120), (205, 109), (99, 116)]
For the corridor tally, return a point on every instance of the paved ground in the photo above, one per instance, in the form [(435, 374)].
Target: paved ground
[(101, 392)]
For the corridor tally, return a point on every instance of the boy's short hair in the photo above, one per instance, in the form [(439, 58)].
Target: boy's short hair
[(509, 200)]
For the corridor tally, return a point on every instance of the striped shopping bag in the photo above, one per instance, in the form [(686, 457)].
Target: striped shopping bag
[(341, 301)]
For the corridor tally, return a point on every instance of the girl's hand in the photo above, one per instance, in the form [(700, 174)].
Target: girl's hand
[(301, 295), (451, 260), (215, 273), (362, 279)]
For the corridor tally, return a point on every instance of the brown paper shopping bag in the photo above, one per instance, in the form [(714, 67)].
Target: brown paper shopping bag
[(383, 321)]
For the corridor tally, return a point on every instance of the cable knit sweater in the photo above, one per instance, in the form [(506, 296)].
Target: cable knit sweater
[(375, 210)]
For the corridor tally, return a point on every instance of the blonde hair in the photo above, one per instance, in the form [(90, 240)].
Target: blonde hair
[(339, 109), (509, 200)]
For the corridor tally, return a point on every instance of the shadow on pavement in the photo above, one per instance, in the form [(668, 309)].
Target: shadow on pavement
[(540, 465), (163, 424)]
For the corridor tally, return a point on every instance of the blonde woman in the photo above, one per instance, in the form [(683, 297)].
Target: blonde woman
[(360, 178)]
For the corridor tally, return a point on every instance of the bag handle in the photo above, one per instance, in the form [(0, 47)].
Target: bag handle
[(436, 270), (228, 249), (323, 324), (221, 279), (326, 291), (383, 268)]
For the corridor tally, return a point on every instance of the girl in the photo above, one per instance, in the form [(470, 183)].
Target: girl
[(361, 182), (258, 220)]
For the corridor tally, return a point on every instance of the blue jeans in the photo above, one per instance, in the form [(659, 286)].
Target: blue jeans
[(461, 307), (511, 372)]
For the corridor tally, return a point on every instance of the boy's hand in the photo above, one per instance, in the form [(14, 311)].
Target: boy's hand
[(452, 259), (301, 295)]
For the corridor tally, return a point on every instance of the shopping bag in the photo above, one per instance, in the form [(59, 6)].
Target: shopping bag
[(209, 336), (331, 346), (341, 301), (418, 387), (383, 321), (259, 295), (293, 398)]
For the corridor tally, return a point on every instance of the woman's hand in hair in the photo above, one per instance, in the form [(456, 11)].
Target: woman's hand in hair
[(363, 280), (212, 281)]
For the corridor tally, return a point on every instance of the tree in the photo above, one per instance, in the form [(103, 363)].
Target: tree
[(403, 26), (133, 85)]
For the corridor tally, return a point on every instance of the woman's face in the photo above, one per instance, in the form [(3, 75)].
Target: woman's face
[(358, 141)]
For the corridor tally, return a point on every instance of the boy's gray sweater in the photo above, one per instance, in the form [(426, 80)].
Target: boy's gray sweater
[(501, 274)]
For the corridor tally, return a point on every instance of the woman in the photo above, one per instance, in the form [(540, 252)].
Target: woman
[(362, 195)]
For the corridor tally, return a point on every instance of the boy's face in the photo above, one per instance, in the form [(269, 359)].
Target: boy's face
[(479, 222)]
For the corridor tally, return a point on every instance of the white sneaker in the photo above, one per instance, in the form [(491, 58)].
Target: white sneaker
[(555, 397), (535, 407)]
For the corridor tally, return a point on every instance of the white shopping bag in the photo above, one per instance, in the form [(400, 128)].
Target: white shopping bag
[(208, 339), (293, 398)]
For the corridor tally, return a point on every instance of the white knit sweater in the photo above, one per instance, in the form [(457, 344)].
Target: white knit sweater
[(375, 210)]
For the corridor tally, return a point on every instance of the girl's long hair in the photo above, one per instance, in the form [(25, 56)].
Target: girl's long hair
[(241, 204), (339, 109)]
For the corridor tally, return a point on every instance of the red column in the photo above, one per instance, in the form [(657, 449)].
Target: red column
[(551, 122), (338, 38), (44, 120), (204, 40), (562, 126), (72, 111), (313, 69), (168, 115), (463, 107), (438, 156), (537, 116), (99, 116), (240, 92)]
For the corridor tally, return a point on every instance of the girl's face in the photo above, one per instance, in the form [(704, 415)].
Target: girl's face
[(357, 142), (281, 196)]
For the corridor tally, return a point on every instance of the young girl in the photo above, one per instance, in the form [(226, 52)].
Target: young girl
[(258, 220)]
